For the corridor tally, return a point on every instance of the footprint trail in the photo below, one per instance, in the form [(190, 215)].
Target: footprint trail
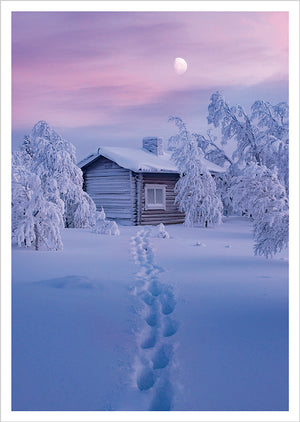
[(156, 338)]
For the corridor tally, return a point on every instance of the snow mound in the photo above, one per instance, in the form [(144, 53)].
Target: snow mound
[(69, 282), (200, 244)]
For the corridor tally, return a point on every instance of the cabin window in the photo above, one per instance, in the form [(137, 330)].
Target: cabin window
[(155, 197)]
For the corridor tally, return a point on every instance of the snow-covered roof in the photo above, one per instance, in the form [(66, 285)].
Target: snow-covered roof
[(141, 160)]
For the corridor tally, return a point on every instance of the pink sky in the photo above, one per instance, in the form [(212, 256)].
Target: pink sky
[(108, 77)]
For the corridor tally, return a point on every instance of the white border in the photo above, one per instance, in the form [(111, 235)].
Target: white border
[(6, 9), (154, 5), (294, 252)]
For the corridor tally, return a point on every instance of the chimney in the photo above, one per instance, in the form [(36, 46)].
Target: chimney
[(153, 144)]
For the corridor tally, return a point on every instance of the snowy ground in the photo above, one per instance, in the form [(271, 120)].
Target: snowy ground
[(137, 322)]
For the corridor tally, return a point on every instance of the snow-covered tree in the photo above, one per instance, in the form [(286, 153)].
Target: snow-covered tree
[(257, 180), (196, 193), (212, 151), (261, 137), (103, 226), (35, 219), (51, 156), (235, 125), (272, 134), (162, 232), (271, 233), (258, 193), (223, 184)]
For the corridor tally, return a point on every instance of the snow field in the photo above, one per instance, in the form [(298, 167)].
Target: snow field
[(138, 322), (233, 314)]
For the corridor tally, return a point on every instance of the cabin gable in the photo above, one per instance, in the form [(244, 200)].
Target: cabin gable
[(110, 187)]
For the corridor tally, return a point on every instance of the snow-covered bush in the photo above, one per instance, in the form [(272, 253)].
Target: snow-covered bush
[(103, 226), (196, 193), (113, 229), (162, 232), (100, 221)]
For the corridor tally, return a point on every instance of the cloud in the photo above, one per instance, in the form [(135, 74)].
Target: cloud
[(114, 70), (129, 124)]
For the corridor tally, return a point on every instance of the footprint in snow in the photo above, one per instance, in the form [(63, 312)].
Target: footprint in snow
[(155, 288), (170, 327), (168, 302), (155, 344), (162, 399), (152, 319), (162, 357), (145, 379), (150, 340), (147, 298)]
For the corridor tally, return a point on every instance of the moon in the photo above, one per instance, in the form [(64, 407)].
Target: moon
[(180, 65)]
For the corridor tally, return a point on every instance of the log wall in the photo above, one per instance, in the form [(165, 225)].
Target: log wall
[(110, 186), (171, 214)]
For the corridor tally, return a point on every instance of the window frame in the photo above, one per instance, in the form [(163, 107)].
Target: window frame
[(160, 206)]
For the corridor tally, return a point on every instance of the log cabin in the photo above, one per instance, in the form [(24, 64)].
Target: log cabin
[(135, 186)]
